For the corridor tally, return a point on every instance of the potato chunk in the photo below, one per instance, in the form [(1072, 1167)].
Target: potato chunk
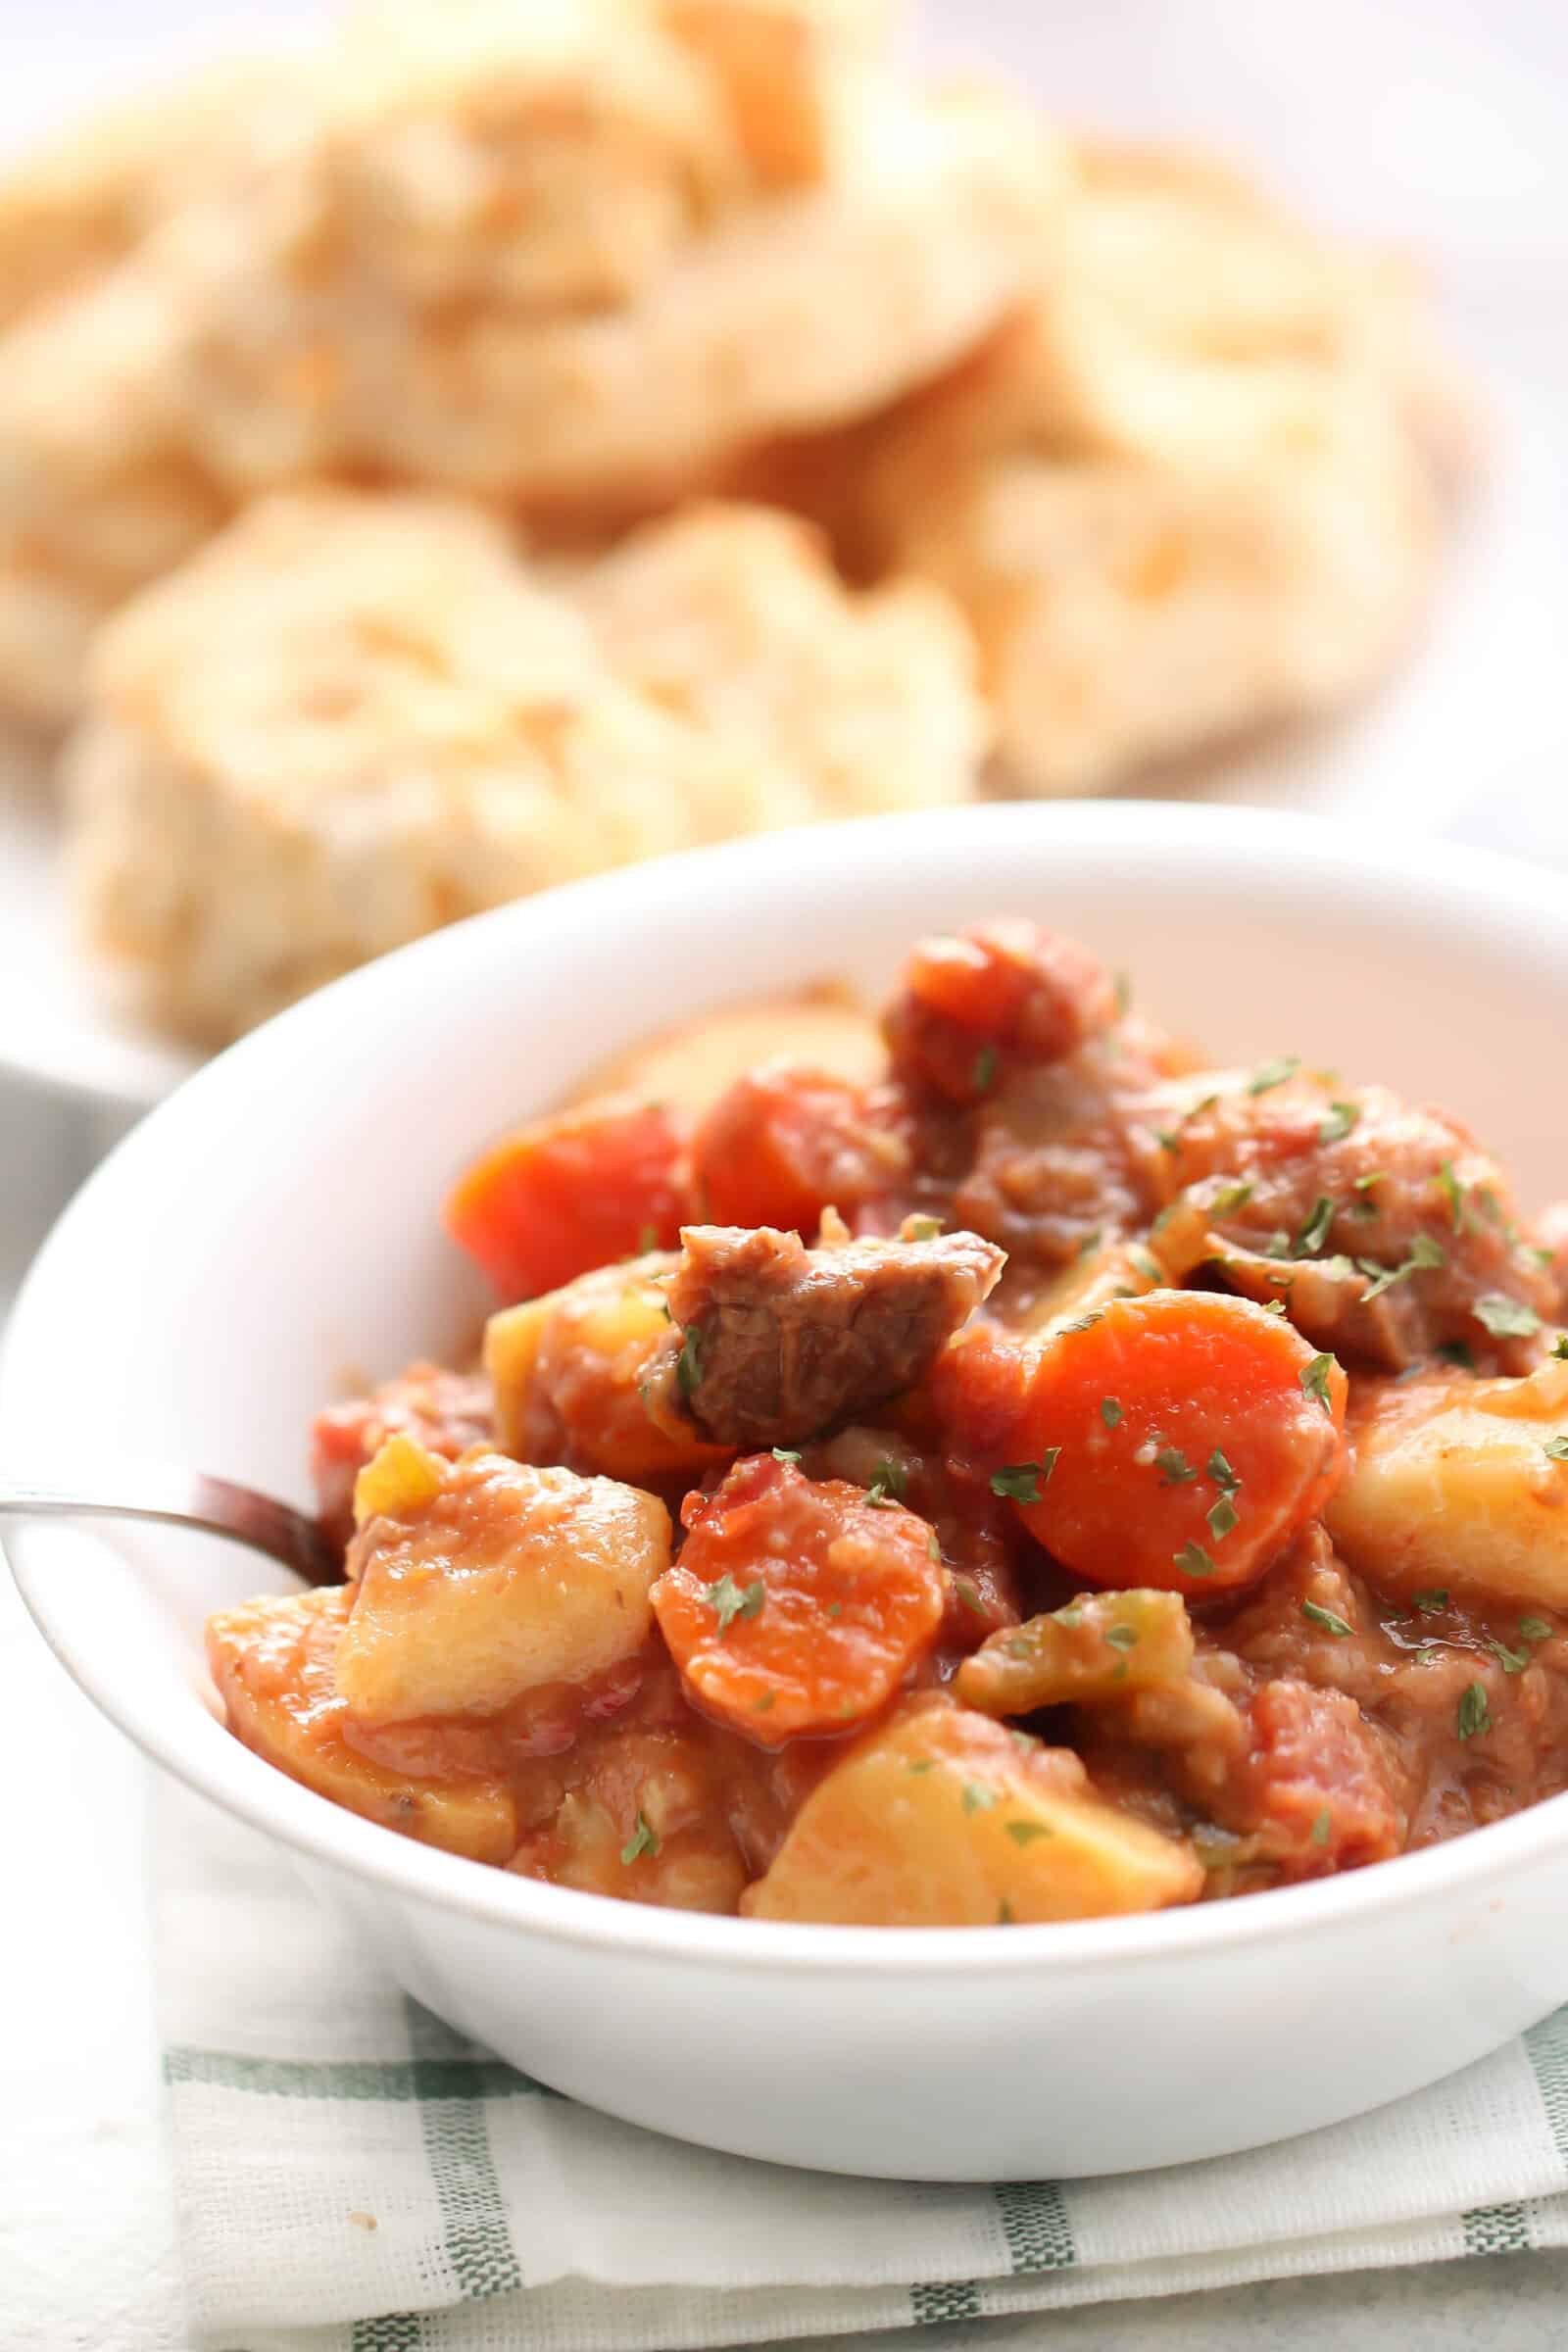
[(504, 1578), (1454, 1485), (1101, 1644), (272, 1661), (942, 1818), (690, 1067), (568, 1371)]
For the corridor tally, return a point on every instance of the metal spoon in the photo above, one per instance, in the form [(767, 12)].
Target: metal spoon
[(178, 1497)]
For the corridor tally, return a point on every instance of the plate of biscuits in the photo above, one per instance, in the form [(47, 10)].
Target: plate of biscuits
[(522, 437)]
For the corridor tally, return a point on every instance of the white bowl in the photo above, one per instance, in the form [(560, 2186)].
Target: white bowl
[(274, 1225)]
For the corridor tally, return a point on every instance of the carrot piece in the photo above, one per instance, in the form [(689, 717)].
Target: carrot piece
[(784, 1143), (1177, 1441), (1000, 993), (570, 1193), (798, 1605)]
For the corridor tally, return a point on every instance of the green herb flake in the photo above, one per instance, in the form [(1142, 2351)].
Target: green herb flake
[(1338, 1121), (1087, 1322), (1315, 1232), (1145, 1262), (1432, 1603), (1222, 1517), (1021, 1482), (933, 1545), (646, 1239), (922, 1228), (978, 1796), (1273, 1306), (1229, 1198), (1507, 1318), (1458, 1351), (1123, 1637), (1273, 1073), (1512, 1661), (835, 1609), (983, 1075), (1111, 1411), (1025, 1833), (641, 1842), (1317, 1614), (1221, 1471), (1453, 1192), (1314, 1378), (1322, 1824), (1534, 1629), (1020, 1645), (1091, 1241), (1193, 1561), (1556, 1448), (1426, 1253), (729, 1600), (764, 1704), (970, 1597), (920, 1764), (1475, 1715), (787, 1455), (889, 1480), (1174, 1468), (689, 1362), (1024, 1742), (1559, 1346), (1004, 1917)]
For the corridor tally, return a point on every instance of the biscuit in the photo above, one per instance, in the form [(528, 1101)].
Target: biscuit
[(1196, 488), (352, 717)]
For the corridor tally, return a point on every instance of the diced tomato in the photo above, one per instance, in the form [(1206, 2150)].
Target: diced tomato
[(998, 992), (784, 1143), (572, 1193), (798, 1605), (1178, 1441)]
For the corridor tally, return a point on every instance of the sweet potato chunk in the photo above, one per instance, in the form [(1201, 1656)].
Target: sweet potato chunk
[(272, 1661), (1462, 1483), (569, 1370), (940, 1818), (495, 1579)]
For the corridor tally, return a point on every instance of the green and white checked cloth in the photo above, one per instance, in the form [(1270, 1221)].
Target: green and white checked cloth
[(352, 2177)]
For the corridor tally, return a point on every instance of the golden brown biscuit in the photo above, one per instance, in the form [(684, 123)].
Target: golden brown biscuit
[(354, 717)]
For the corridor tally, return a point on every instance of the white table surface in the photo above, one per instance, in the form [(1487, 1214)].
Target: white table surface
[(1435, 119)]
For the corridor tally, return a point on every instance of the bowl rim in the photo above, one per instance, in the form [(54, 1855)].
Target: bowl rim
[(1492, 889)]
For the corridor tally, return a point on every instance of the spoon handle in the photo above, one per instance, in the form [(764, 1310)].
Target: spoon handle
[(177, 1497)]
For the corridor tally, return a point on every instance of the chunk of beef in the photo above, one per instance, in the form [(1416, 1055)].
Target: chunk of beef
[(446, 1412), (1055, 1165), (1381, 1227), (779, 1342), (1000, 995)]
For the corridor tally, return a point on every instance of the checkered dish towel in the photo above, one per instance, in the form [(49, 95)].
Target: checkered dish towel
[(352, 2177)]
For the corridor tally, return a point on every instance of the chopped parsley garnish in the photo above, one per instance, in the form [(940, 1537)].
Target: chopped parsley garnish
[(646, 1239), (922, 1228), (920, 1764), (1174, 1468), (1475, 1715), (689, 1362), (1111, 1410), (1559, 1346), (1025, 1833), (1083, 1322), (1322, 1823), (786, 1454), (1004, 1917), (1273, 1073), (729, 1600), (1458, 1351), (764, 1704), (933, 1544), (967, 1594), (1556, 1448), (1314, 1378), (1123, 1637), (1512, 1661), (983, 1076), (1273, 1306), (1091, 1241), (1430, 1602), (1278, 1244), (1193, 1561), (1221, 1471), (1423, 1254), (1021, 1482), (1230, 1197), (1019, 1646), (1507, 1318), (1146, 1263), (1222, 1517), (1453, 1192), (1315, 1232), (888, 1479), (1338, 1120), (1167, 1140), (1317, 1614), (978, 1797), (1534, 1629), (641, 1842)]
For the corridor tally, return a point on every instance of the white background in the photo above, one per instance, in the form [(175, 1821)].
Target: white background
[(1443, 122)]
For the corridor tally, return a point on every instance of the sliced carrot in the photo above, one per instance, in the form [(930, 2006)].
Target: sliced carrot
[(1177, 1441), (570, 1193), (798, 1605), (1001, 993), (784, 1143)]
